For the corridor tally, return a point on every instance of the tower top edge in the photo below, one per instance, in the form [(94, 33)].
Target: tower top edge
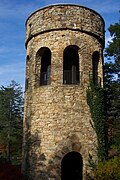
[(64, 4)]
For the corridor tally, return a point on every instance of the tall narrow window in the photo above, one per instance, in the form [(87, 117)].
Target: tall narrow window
[(71, 65), (43, 66), (27, 72), (95, 61)]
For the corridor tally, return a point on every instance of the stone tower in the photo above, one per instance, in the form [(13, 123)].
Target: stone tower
[(64, 46)]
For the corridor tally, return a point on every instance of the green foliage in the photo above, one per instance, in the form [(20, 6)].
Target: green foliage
[(112, 86), (11, 114), (108, 170), (113, 49), (96, 102), (108, 99), (91, 162)]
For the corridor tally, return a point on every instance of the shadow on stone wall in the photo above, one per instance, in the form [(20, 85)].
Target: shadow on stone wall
[(37, 166)]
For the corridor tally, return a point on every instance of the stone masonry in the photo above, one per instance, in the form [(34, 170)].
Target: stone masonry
[(57, 119)]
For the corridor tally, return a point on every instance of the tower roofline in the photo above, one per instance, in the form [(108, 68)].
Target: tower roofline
[(64, 4)]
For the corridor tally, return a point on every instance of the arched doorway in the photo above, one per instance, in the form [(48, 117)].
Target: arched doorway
[(71, 166)]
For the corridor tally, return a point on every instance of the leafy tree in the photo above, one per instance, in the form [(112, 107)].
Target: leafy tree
[(11, 115), (112, 84)]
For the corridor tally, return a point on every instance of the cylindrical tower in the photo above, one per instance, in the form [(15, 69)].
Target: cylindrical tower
[(64, 46)]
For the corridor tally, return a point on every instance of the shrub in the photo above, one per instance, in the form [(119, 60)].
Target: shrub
[(108, 170)]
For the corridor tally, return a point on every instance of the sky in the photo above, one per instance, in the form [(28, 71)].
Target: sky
[(13, 15)]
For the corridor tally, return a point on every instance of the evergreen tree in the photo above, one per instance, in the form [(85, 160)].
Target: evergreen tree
[(11, 115), (112, 52), (112, 84)]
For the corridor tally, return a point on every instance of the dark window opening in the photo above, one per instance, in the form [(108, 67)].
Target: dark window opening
[(72, 166), (71, 65), (95, 61), (27, 72), (45, 71), (28, 58), (26, 84)]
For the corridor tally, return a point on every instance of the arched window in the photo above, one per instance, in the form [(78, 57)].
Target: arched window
[(44, 64), (71, 65), (72, 166), (27, 72), (95, 61)]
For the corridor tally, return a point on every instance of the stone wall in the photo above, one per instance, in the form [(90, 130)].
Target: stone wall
[(58, 17), (57, 117)]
